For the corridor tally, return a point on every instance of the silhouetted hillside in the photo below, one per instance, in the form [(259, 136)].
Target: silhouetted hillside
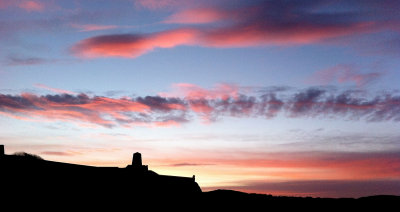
[(30, 181), (229, 199), (28, 177)]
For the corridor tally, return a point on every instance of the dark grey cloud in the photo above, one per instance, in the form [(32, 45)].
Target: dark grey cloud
[(317, 102), (160, 103), (24, 61)]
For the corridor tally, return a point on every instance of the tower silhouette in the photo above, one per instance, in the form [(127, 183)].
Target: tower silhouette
[(1, 150), (137, 160), (137, 165)]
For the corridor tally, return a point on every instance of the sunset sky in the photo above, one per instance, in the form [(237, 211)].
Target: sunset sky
[(285, 97)]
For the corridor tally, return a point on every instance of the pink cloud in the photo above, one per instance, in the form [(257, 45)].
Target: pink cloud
[(344, 73), (55, 90), (27, 5), (317, 173), (5, 3), (80, 108), (201, 107), (195, 16), (319, 165), (256, 34), (191, 91), (57, 153), (132, 46), (92, 27), (169, 123), (31, 6), (211, 104), (199, 98), (228, 26)]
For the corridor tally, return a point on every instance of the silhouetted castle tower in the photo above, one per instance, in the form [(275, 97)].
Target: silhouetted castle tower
[(1, 150), (137, 160), (137, 163), (27, 172)]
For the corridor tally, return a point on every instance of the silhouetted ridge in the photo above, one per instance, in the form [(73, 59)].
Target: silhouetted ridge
[(27, 178), (234, 200), (24, 171), (28, 156)]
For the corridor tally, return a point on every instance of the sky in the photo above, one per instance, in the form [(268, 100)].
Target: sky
[(298, 98)]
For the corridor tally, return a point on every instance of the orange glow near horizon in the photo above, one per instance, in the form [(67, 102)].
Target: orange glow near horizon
[(269, 96)]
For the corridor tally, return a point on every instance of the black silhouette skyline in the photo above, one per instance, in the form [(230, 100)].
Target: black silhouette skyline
[(283, 97), (24, 174)]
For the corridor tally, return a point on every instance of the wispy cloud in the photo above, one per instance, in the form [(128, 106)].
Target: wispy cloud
[(344, 73), (189, 164), (31, 6), (364, 165), (55, 153), (55, 90), (92, 27), (244, 25), (293, 166), (131, 45), (195, 16), (209, 104), (27, 5), (107, 112), (26, 61), (192, 91)]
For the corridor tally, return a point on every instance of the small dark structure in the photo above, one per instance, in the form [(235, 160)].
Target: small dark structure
[(137, 163), (137, 160), (1, 150), (21, 173)]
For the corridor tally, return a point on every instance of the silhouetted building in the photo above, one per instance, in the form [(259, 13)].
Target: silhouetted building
[(137, 163), (27, 172), (137, 159)]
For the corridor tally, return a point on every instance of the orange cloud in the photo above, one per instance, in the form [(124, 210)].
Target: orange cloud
[(169, 123), (134, 45), (129, 45), (303, 165), (244, 25), (190, 91)]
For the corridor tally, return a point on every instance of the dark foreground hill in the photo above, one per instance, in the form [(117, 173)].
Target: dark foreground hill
[(28, 178), (235, 199), (29, 182)]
